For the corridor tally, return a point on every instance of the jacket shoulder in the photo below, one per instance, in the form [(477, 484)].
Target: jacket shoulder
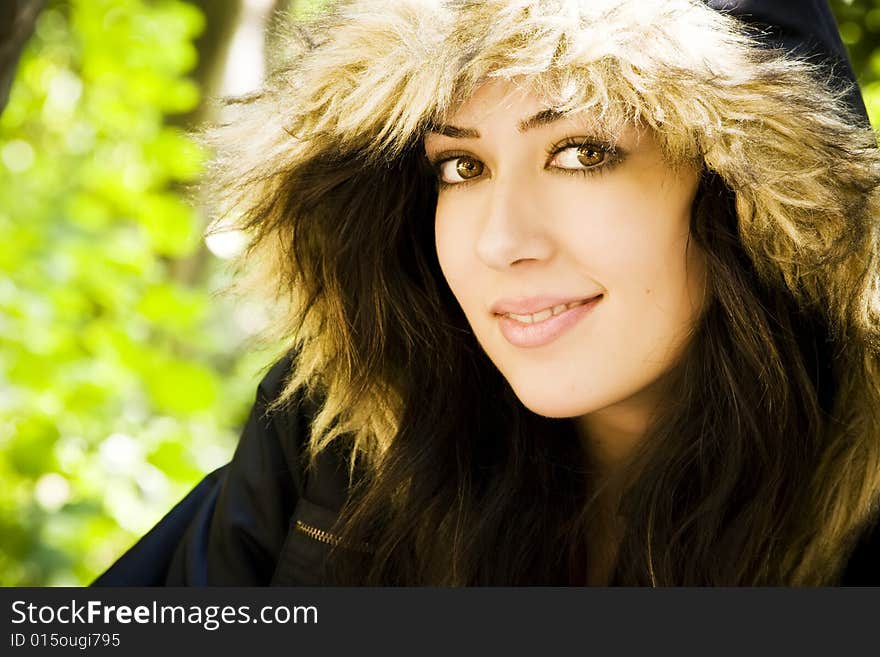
[(288, 425)]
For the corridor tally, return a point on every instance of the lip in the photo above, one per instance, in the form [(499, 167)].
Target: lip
[(530, 305), (541, 333)]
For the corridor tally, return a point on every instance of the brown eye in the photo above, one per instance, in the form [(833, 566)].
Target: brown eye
[(590, 155), (584, 157), (459, 169), (467, 167)]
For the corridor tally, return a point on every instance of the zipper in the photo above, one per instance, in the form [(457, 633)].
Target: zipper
[(323, 536), (318, 534)]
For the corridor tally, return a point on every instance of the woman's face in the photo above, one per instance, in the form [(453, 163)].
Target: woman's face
[(533, 213)]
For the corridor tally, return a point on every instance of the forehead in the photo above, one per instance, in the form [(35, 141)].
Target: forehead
[(497, 96), (503, 102)]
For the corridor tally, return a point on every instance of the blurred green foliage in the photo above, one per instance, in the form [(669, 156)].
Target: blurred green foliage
[(120, 385), (859, 23), (121, 381)]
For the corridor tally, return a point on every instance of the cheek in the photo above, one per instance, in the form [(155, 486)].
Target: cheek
[(611, 235), (453, 243), (636, 246), (661, 292), (633, 235)]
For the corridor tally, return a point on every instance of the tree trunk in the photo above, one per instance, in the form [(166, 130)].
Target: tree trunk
[(17, 20)]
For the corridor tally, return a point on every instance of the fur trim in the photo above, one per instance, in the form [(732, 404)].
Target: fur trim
[(369, 76)]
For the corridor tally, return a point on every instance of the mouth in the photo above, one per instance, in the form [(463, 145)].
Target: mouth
[(547, 313), (545, 326)]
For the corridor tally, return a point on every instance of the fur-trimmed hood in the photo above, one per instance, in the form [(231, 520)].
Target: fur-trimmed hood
[(369, 77)]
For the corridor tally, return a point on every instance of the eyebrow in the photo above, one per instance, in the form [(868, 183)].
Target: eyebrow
[(541, 118)]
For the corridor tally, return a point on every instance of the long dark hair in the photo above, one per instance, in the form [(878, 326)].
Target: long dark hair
[(763, 466)]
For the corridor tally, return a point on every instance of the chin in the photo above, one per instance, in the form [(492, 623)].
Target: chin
[(554, 401)]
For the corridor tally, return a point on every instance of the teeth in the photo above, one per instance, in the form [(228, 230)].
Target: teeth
[(525, 319), (543, 314)]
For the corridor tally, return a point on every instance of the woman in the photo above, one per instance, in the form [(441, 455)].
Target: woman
[(578, 293)]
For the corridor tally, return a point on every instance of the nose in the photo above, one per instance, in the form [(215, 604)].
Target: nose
[(514, 228)]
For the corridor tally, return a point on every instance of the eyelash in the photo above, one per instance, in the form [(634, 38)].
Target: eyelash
[(615, 156)]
